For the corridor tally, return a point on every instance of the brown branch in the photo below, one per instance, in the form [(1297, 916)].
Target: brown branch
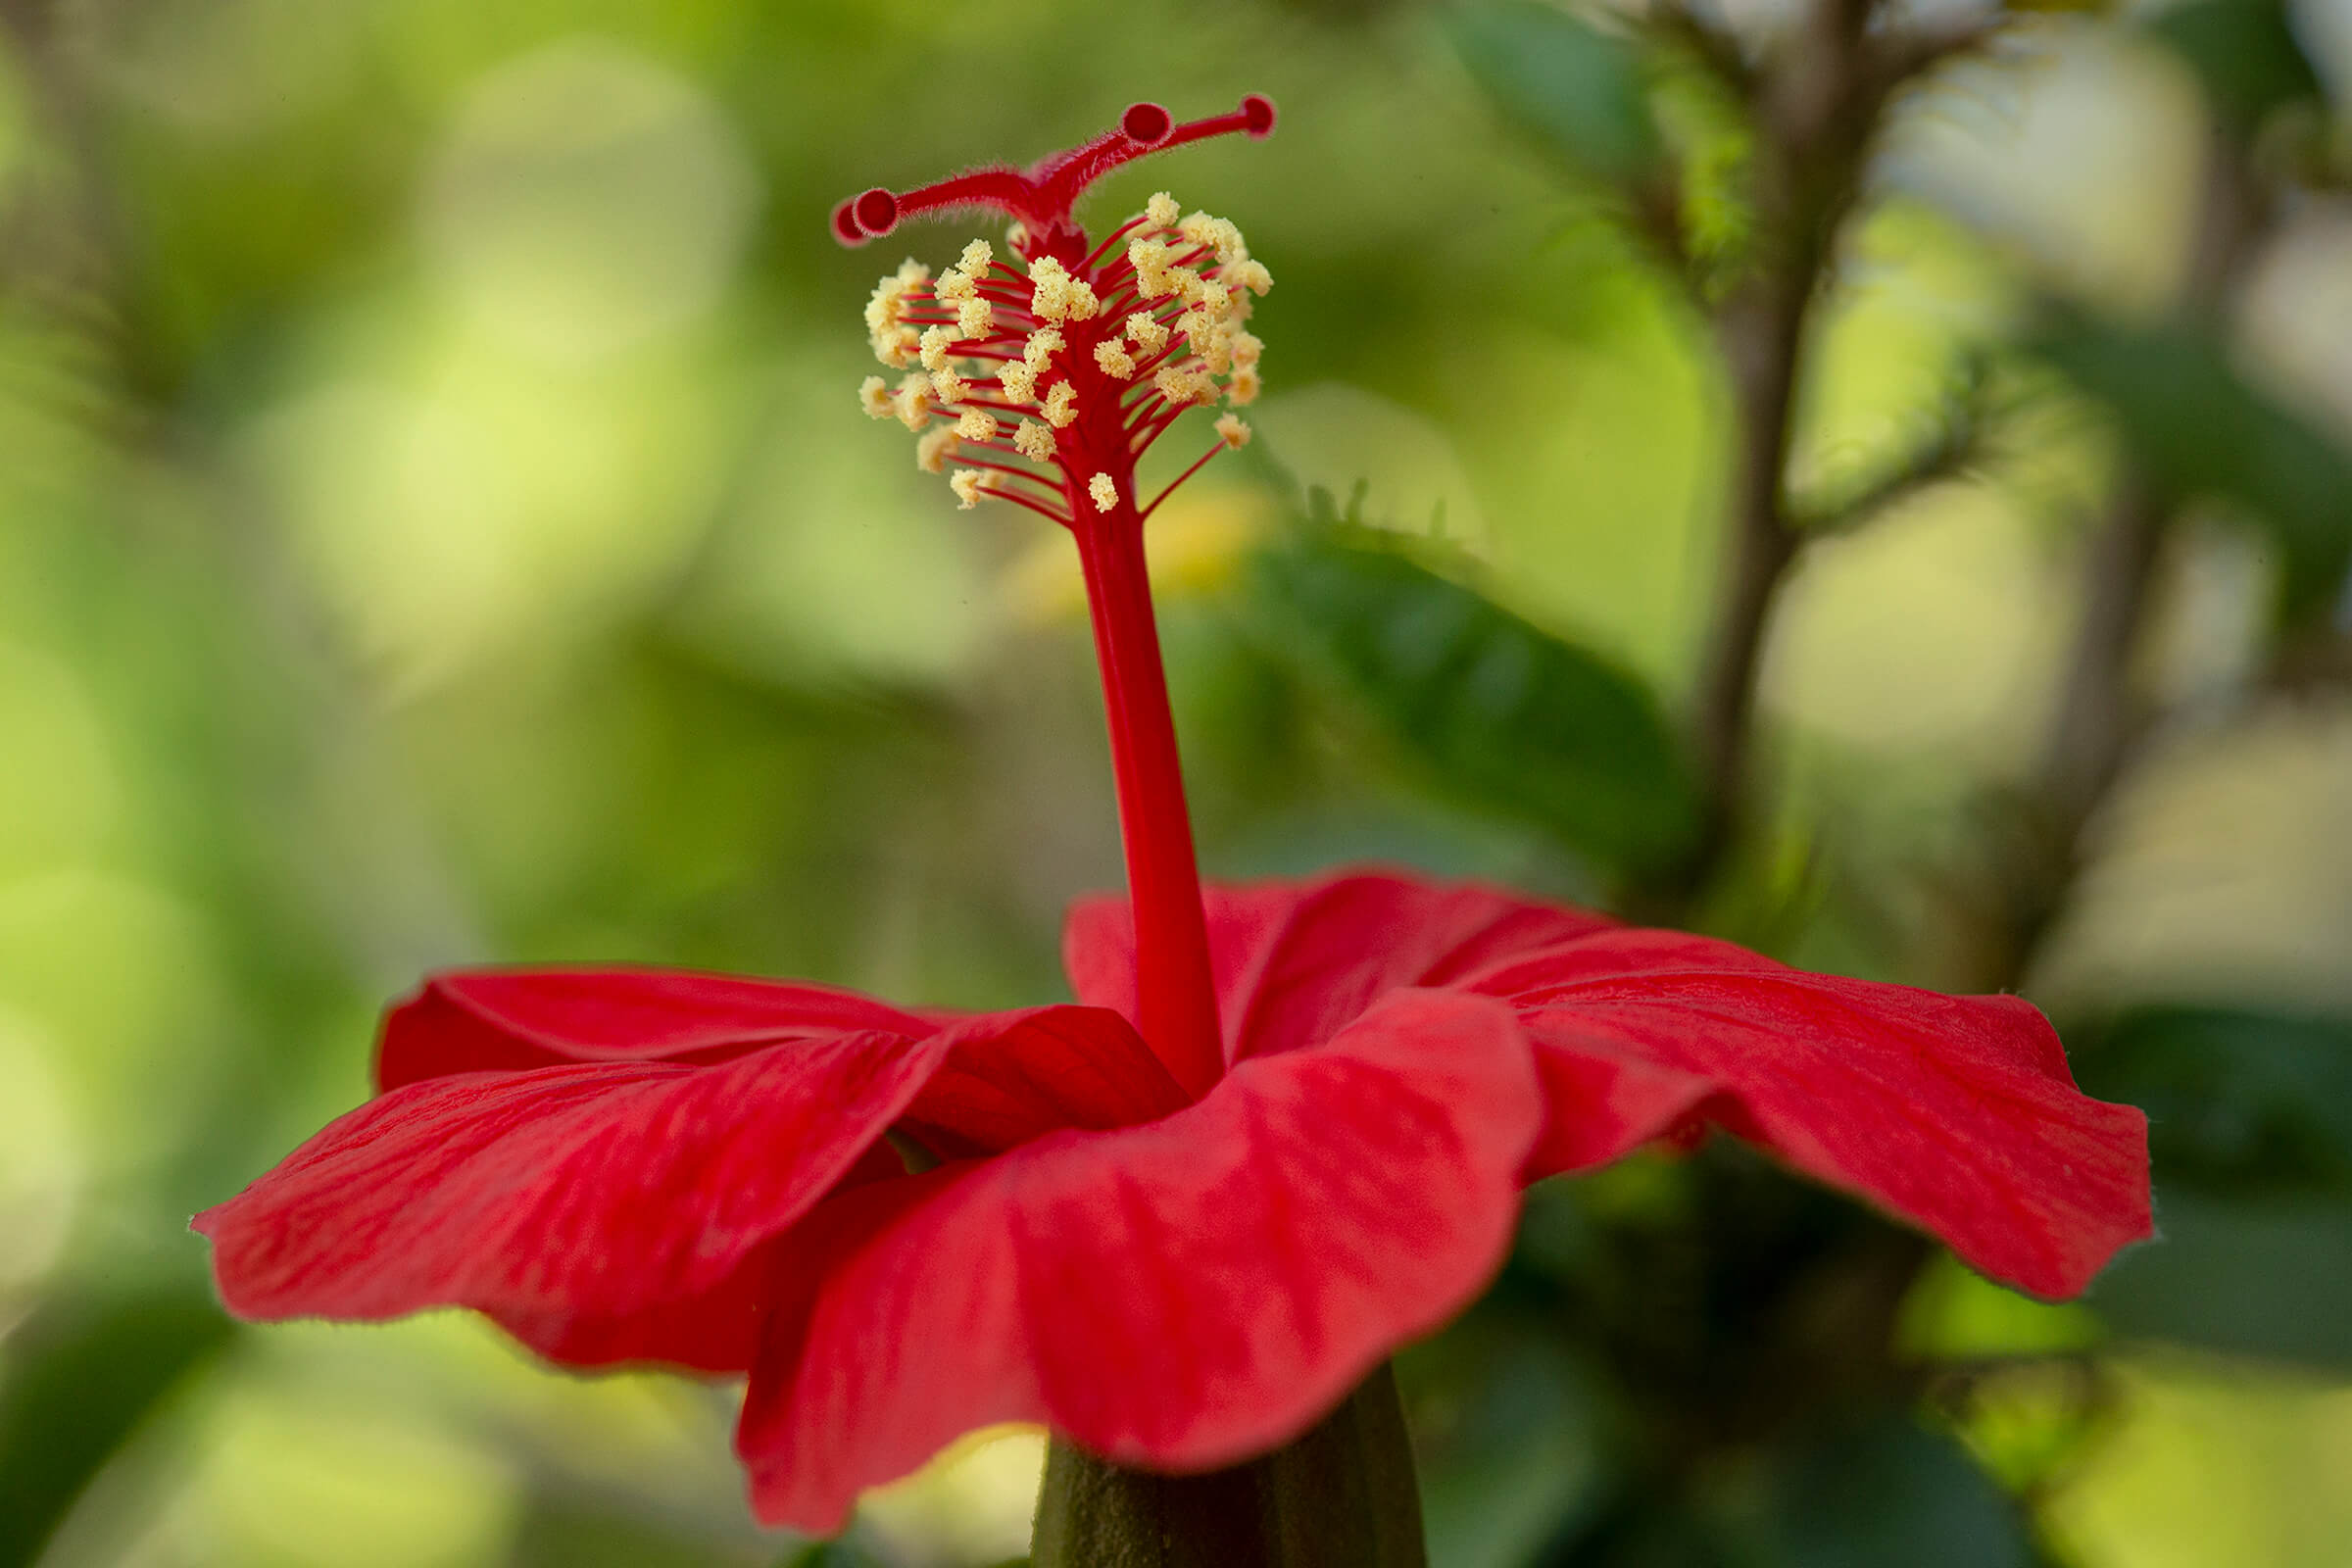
[(2100, 719), (1817, 106)]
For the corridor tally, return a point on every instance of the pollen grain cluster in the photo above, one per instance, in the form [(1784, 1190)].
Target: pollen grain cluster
[(1043, 379)]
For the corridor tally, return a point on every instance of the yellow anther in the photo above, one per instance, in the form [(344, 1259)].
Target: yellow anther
[(1018, 382), (1242, 389), (1186, 283), (1104, 490), (956, 285), (1041, 345), (1034, 441), (1048, 290), (915, 401), (883, 309), (1115, 360), (1181, 386), (976, 425), (1251, 275), (1216, 234), (1160, 210), (912, 273), (949, 387), (1194, 325), (1216, 297), (1147, 332), (1056, 296), (977, 257), (969, 485), (975, 318), (873, 396), (1061, 405), (1150, 259), (1246, 348), (933, 448), (895, 346), (1216, 349), (936, 341), (1233, 430)]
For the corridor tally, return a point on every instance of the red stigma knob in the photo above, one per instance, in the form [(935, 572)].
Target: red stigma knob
[(876, 212), (1146, 124)]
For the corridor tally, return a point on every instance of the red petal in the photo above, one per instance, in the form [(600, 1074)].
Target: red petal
[(473, 1020), (1955, 1112), (1179, 1295), (600, 1213), (1295, 961), (1012, 1077)]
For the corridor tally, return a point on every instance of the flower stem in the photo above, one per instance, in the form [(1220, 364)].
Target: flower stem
[(1340, 1496), (1176, 1004)]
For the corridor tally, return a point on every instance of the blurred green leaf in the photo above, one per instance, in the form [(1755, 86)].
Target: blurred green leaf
[(86, 1371), (827, 1554), (2245, 55), (1492, 709), (2236, 1101), (1890, 1491), (2266, 1280), (1557, 77), (2197, 427), (1507, 1439), (558, 1533)]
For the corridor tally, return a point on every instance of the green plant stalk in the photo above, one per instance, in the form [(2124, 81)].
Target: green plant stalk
[(1341, 1495)]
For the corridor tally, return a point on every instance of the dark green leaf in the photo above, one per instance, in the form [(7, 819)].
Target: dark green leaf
[(2197, 429), (1889, 1492), (562, 1532), (86, 1371), (2268, 1279), (1491, 708), (1554, 76), (831, 1554), (2238, 1103), (2245, 53), (1507, 1437)]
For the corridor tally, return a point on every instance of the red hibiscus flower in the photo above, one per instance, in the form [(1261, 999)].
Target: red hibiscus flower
[(1282, 1132)]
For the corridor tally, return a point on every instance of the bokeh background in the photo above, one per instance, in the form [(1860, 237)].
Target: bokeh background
[(436, 526)]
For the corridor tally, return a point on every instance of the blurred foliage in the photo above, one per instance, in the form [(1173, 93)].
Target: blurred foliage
[(1488, 707), (2238, 1102), (435, 527), (2245, 55), (1578, 90), (2198, 429), (2259, 1278), (93, 1367)]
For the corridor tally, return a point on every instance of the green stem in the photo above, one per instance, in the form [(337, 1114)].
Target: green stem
[(1340, 1496)]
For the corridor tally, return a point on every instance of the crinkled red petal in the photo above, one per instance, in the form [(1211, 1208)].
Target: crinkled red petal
[(1957, 1113), (1178, 1294), (475, 1020), (1296, 961), (717, 1330), (616, 1210), (600, 1213), (1011, 1077)]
